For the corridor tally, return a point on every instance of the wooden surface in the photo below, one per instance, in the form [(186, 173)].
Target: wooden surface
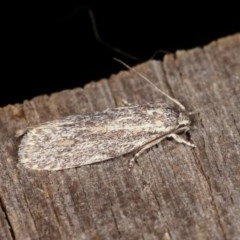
[(174, 193)]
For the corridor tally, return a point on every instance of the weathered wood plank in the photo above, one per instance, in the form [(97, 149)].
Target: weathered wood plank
[(174, 193)]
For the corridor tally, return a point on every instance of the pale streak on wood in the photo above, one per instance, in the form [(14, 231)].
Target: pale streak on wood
[(174, 193)]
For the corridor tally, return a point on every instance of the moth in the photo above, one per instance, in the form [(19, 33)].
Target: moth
[(84, 139)]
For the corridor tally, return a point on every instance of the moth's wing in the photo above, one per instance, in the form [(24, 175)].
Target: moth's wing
[(85, 139)]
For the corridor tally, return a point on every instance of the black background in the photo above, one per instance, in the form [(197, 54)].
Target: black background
[(51, 47)]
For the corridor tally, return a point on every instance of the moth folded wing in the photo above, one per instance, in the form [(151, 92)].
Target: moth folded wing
[(84, 139), (54, 146)]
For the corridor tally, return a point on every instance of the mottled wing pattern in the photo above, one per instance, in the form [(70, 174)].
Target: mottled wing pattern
[(84, 139)]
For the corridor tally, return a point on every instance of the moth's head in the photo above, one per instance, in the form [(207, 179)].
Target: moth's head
[(183, 119), (184, 123)]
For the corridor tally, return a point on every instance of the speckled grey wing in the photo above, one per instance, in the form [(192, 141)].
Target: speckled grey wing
[(84, 139)]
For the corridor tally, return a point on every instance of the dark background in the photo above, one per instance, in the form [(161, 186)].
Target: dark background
[(51, 47)]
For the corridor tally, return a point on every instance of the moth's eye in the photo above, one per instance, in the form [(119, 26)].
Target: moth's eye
[(182, 125)]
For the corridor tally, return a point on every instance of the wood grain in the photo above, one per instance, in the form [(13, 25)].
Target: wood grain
[(174, 192)]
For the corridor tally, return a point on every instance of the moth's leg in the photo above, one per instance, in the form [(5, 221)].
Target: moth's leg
[(125, 103), (21, 132), (144, 148), (177, 138)]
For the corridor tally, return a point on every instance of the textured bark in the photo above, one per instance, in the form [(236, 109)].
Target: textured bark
[(174, 192)]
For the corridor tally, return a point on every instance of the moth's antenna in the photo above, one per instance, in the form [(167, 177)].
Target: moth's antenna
[(95, 30), (142, 76)]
